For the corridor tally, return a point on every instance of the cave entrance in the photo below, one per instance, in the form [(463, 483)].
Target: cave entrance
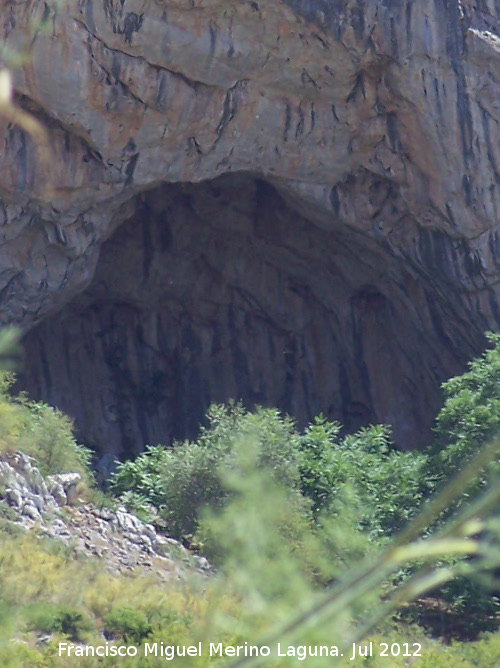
[(221, 290)]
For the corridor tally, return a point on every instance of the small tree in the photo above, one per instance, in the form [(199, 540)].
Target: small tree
[(470, 416)]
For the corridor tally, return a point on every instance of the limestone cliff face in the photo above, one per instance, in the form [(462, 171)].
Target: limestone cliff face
[(292, 202)]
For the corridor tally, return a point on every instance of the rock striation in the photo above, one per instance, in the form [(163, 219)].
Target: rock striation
[(291, 202)]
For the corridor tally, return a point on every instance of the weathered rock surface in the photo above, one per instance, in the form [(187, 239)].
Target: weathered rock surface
[(350, 265), (119, 538)]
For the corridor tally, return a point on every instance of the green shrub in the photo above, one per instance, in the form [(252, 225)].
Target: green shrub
[(171, 483), (180, 481), (289, 513), (317, 466), (471, 413), (274, 557), (48, 437), (261, 540), (461, 609), (41, 432), (52, 618), (387, 485), (128, 623), (11, 415), (469, 418)]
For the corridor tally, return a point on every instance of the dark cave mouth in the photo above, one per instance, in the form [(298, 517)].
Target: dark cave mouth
[(221, 290)]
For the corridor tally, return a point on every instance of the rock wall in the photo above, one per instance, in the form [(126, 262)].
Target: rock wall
[(221, 290), (293, 202)]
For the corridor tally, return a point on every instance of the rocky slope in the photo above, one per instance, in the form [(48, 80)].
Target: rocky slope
[(292, 202), (50, 506)]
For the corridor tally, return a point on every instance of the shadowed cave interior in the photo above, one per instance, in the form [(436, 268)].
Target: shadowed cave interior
[(223, 290)]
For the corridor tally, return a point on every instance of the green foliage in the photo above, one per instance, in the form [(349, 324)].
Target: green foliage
[(9, 348), (63, 619), (171, 484), (318, 462), (42, 432), (48, 437), (388, 486), (266, 557), (264, 526), (178, 482), (471, 413), (294, 521), (344, 495), (469, 418), (44, 590), (316, 466), (265, 581), (460, 609), (127, 623)]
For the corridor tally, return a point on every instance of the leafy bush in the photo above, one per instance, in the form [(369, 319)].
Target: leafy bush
[(461, 609), (471, 413), (177, 482), (357, 489), (263, 524), (48, 437), (62, 619), (316, 466), (128, 623), (388, 485), (173, 485), (469, 418), (11, 415), (290, 512), (42, 432)]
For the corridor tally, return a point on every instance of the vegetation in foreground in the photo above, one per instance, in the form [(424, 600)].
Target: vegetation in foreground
[(306, 529)]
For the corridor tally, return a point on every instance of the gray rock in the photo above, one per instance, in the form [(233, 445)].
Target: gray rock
[(14, 497), (57, 491), (348, 258), (31, 511), (68, 482), (116, 536)]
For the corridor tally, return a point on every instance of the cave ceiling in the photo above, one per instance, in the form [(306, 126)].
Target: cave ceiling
[(291, 203)]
